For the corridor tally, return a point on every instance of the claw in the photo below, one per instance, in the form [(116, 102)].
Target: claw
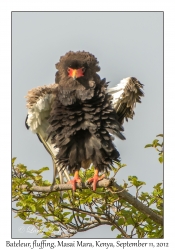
[(75, 180), (95, 179)]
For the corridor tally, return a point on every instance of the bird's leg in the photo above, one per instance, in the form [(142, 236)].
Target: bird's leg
[(95, 179), (75, 180)]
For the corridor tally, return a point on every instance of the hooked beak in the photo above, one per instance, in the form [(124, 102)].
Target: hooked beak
[(75, 73)]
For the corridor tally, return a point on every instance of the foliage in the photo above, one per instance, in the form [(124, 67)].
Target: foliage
[(158, 146), (63, 214)]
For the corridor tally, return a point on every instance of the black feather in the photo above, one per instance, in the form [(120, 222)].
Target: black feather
[(82, 117)]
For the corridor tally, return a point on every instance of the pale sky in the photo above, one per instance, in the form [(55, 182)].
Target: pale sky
[(125, 44)]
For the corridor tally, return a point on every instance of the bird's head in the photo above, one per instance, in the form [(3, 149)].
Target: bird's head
[(76, 70), (76, 65)]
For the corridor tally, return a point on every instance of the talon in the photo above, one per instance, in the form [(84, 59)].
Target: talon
[(95, 179), (75, 180)]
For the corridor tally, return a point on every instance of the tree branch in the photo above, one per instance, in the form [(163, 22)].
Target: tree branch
[(138, 205), (102, 183), (63, 187)]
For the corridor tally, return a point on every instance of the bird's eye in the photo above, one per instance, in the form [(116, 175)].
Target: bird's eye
[(83, 69), (68, 70)]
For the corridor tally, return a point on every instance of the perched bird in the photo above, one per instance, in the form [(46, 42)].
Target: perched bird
[(76, 116)]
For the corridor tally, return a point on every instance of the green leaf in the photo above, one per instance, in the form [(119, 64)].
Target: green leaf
[(38, 177), (155, 142), (148, 145), (82, 215), (158, 185), (22, 168), (120, 221), (70, 219), (135, 182), (33, 208), (161, 159), (161, 135), (28, 222), (119, 236), (66, 213), (125, 185), (130, 221), (112, 228), (40, 209), (42, 170), (13, 160), (22, 216), (19, 204), (46, 183), (48, 233), (130, 178)]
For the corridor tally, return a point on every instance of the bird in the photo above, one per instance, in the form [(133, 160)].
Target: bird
[(78, 117)]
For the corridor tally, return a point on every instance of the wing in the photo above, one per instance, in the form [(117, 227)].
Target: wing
[(125, 96), (39, 102)]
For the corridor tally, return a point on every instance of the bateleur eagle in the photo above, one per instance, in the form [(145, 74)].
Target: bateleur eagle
[(76, 117)]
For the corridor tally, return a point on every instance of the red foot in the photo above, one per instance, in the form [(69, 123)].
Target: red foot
[(95, 179), (73, 182)]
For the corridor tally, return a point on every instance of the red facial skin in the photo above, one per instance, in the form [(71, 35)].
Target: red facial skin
[(75, 73)]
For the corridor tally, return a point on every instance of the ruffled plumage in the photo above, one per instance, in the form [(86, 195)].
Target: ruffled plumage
[(125, 96), (39, 102), (76, 118), (82, 118)]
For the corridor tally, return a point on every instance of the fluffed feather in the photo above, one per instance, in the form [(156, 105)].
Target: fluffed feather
[(125, 96), (39, 101)]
